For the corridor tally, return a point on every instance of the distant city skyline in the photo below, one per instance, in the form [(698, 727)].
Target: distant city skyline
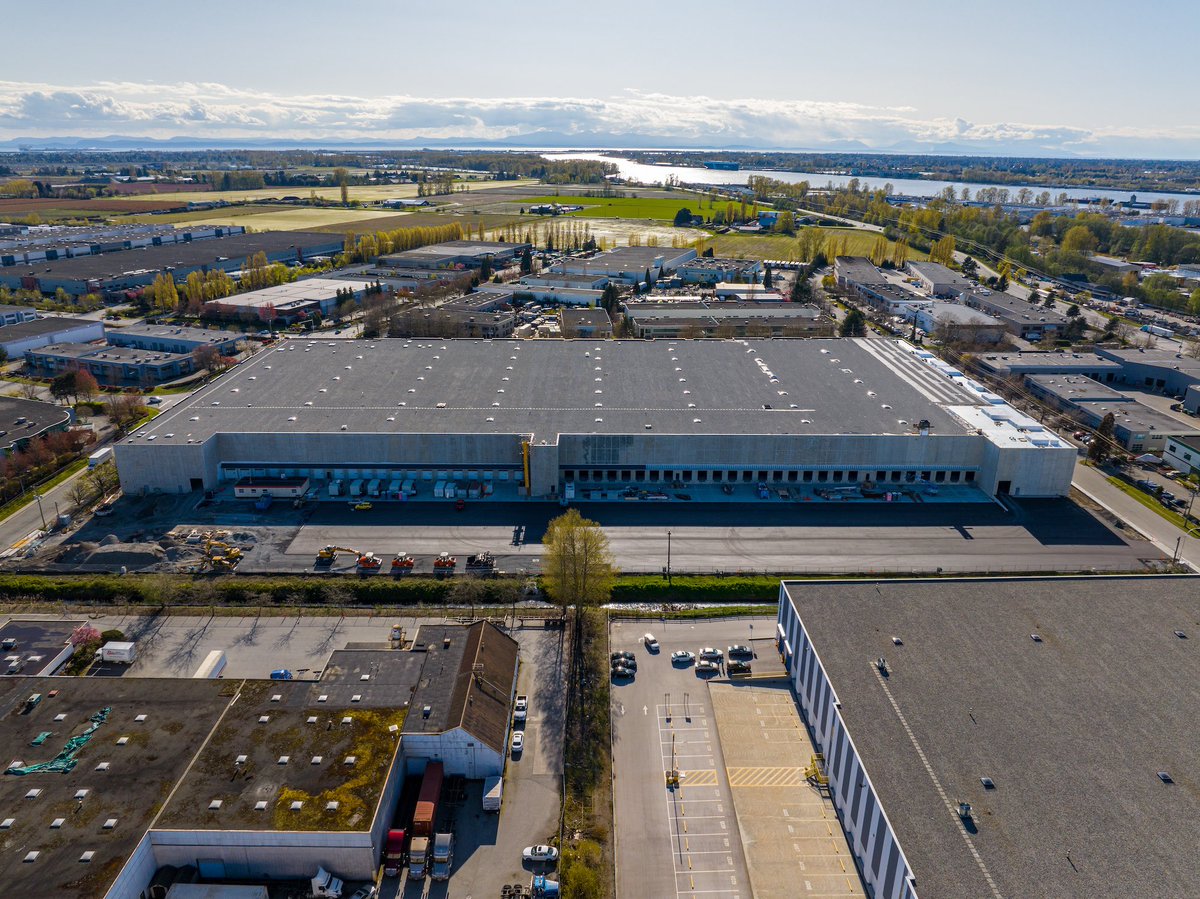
[(943, 78)]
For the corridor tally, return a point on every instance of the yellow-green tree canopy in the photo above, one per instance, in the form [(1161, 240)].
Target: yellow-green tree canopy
[(577, 567)]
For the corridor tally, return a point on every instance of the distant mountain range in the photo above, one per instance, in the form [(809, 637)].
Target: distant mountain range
[(537, 141)]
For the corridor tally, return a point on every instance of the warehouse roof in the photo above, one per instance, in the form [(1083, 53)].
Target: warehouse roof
[(306, 290), (1164, 358), (852, 386), (38, 327), (1076, 388), (281, 743), (113, 355), (1072, 729), (121, 774), (21, 418), (176, 332), (179, 255), (957, 314), (1004, 364), (467, 682)]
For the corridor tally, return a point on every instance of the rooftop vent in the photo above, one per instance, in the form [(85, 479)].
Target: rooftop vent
[(34, 793), (81, 794), (214, 805), (110, 823), (988, 783), (347, 720), (121, 741), (324, 697), (1181, 635), (88, 855), (260, 806), (31, 856), (350, 760), (263, 719), (240, 760), (426, 711), (1036, 638), (57, 823), (7, 823), (296, 805), (139, 718), (1165, 777)]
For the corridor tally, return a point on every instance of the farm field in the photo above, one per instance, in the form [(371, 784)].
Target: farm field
[(300, 218), (619, 231), (392, 221), (780, 246), (366, 193), (49, 207)]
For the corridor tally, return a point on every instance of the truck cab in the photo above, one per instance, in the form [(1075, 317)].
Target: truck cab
[(443, 856), (325, 885), (418, 858)]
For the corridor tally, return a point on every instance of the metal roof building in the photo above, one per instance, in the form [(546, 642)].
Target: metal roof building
[(1052, 707), (541, 414)]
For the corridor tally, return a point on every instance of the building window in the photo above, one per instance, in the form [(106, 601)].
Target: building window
[(687, 476), (654, 477), (940, 477), (747, 476), (792, 475), (837, 477), (1187, 457), (640, 476), (954, 475), (612, 475), (1136, 448), (702, 476), (808, 477), (822, 476), (852, 476), (568, 475), (881, 475), (777, 476), (717, 477), (969, 477)]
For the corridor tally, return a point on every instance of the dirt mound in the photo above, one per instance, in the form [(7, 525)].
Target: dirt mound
[(109, 540)]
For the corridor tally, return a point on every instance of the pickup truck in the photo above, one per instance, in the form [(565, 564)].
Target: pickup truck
[(521, 708)]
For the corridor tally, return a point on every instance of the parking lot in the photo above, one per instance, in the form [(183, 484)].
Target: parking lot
[(683, 842)]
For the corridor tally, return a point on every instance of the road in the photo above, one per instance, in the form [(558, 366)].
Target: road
[(1160, 532)]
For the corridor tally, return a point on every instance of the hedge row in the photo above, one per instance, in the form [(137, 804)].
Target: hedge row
[(654, 589), (377, 590)]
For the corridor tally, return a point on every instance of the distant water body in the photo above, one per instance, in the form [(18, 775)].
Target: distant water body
[(915, 187)]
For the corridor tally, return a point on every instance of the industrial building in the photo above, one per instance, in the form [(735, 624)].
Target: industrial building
[(174, 339), (521, 292), (137, 268), (586, 323), (456, 254), (1013, 737), (303, 300), (1027, 320), (534, 418), (627, 265), (48, 243), (1017, 364), (938, 280), (556, 279), (1137, 427), (715, 269), (954, 323), (13, 315), (475, 315), (23, 420), (112, 779), (1183, 454), (856, 273), (112, 366), (653, 317), (756, 293), (17, 338)]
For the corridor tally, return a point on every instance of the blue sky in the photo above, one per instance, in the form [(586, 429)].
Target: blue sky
[(1052, 78)]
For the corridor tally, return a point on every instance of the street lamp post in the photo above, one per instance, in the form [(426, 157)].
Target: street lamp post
[(38, 497), (668, 557)]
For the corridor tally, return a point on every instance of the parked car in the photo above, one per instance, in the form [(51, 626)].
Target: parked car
[(650, 642), (682, 657), (738, 649), (736, 667), (367, 892), (518, 741), (622, 671), (154, 401), (631, 663), (704, 666), (539, 854), (622, 654), (709, 654)]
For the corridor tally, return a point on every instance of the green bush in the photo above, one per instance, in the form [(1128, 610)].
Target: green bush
[(113, 635)]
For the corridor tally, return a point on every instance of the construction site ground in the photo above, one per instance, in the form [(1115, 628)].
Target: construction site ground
[(152, 534), (793, 839)]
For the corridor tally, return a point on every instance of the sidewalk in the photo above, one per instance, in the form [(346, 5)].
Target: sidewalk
[(1157, 529)]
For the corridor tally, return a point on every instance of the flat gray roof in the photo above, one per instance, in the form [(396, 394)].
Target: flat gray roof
[(102, 353), (508, 386), (859, 270), (191, 253), (204, 335), (137, 774), (1072, 729), (1021, 363), (957, 314), (40, 326), (38, 416), (1147, 356), (1077, 388), (1005, 305)]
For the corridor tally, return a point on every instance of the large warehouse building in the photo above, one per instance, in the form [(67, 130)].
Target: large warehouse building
[(1052, 708), (536, 419)]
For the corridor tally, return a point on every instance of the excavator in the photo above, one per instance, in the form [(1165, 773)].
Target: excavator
[(329, 554), (444, 562), (402, 562), (220, 556)]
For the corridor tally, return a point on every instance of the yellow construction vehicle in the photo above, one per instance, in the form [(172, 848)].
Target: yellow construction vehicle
[(328, 555)]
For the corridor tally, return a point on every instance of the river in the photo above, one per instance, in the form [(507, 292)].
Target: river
[(920, 187)]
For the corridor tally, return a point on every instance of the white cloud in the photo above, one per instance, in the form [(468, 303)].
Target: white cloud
[(204, 109)]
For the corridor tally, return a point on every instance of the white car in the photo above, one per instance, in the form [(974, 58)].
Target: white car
[(651, 643), (539, 854), (518, 741), (711, 655), (683, 657)]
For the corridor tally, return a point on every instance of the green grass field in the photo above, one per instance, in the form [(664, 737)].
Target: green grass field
[(780, 246)]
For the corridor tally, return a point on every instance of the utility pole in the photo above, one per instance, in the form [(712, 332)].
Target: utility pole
[(38, 497), (669, 557)]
